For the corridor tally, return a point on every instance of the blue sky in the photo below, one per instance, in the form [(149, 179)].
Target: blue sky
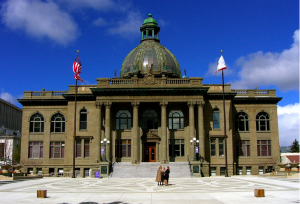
[(260, 39)]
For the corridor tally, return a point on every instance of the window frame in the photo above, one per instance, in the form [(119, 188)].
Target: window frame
[(57, 148), (120, 147), (86, 147), (33, 123), (120, 118), (242, 120), (176, 147), (241, 145), (172, 119), (31, 151), (260, 147), (146, 119), (260, 121), (83, 121), (216, 120), (213, 147), (55, 127)]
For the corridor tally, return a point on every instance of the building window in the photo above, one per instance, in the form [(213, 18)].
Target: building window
[(262, 122), (216, 118), (83, 119), (239, 170), (149, 119), (261, 170), (263, 148), (243, 148), (123, 148), (176, 147), (213, 147), (37, 123), (222, 171), (213, 171), (58, 123), (123, 120), (176, 120), (221, 147), (35, 150), (78, 148), (86, 148), (241, 122), (248, 170), (57, 149)]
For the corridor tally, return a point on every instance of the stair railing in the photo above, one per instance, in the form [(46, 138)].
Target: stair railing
[(191, 173)]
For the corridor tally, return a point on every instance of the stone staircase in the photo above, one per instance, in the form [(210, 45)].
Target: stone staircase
[(149, 169)]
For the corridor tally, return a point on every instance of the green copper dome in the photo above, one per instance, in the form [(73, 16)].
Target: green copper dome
[(150, 20), (150, 52)]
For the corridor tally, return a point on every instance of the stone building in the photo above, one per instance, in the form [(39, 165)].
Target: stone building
[(150, 114), (10, 127)]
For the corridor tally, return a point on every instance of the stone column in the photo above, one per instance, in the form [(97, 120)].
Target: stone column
[(164, 142), (135, 134), (98, 130), (201, 132), (107, 130), (191, 105)]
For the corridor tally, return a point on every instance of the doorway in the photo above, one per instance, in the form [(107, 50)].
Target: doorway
[(150, 152)]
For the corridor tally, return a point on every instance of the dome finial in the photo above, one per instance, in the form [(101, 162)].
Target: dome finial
[(150, 15)]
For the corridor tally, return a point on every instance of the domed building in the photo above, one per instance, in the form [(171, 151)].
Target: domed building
[(149, 116)]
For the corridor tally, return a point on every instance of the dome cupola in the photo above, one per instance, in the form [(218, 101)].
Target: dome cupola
[(150, 53)]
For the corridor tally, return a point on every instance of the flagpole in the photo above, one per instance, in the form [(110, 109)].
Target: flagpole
[(225, 136), (74, 140)]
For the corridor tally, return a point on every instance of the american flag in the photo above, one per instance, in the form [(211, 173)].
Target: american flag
[(77, 69)]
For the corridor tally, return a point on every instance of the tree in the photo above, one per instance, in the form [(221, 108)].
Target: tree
[(295, 146)]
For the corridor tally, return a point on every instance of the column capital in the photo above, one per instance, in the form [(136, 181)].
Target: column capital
[(200, 103), (107, 104), (98, 104), (191, 103), (163, 103), (135, 103)]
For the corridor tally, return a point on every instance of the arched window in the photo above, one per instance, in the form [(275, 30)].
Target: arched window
[(216, 118), (262, 121), (58, 123), (83, 119), (150, 119), (176, 120), (123, 120), (241, 122), (36, 123)]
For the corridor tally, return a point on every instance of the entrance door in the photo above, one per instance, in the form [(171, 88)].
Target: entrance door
[(150, 152)]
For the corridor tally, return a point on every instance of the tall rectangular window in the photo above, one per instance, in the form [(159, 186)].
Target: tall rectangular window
[(176, 147), (123, 148), (216, 118), (243, 148), (263, 148), (86, 148), (35, 150), (57, 149), (78, 148), (83, 119), (213, 147), (222, 171), (221, 147)]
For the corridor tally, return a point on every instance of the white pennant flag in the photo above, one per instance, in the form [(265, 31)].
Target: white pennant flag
[(221, 64)]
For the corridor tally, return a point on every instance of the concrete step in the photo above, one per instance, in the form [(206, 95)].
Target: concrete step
[(149, 169)]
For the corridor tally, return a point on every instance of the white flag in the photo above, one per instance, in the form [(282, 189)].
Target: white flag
[(221, 64)]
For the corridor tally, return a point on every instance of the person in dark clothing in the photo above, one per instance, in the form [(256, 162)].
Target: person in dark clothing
[(167, 172)]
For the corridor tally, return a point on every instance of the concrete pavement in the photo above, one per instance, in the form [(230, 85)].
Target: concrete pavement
[(235, 189)]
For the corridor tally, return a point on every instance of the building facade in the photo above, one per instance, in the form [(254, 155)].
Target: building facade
[(150, 114), (10, 131)]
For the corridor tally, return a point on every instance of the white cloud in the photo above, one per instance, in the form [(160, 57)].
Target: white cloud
[(128, 26), (289, 121), (8, 97), (99, 22), (264, 69), (39, 19), (101, 5)]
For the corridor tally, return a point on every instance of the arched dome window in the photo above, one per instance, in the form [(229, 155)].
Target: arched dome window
[(176, 120), (262, 121), (36, 123), (123, 120), (241, 122), (150, 119), (58, 123)]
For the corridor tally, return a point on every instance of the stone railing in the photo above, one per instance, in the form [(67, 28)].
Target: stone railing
[(255, 93), (44, 94), (152, 82)]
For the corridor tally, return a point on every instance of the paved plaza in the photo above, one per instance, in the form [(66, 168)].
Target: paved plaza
[(235, 189)]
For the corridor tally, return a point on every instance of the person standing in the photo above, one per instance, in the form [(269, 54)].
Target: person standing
[(167, 172), (159, 176)]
